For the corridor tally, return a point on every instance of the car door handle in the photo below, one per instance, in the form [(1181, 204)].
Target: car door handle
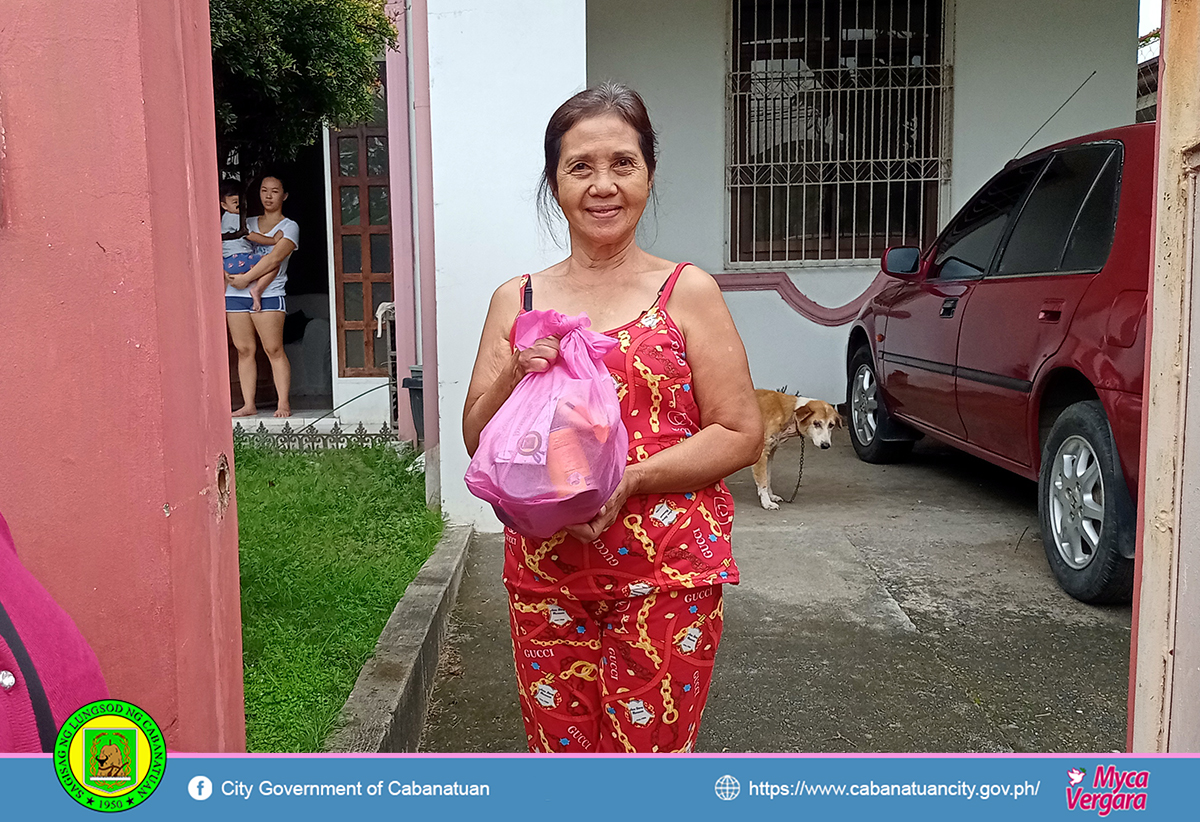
[(948, 306), (1051, 311)]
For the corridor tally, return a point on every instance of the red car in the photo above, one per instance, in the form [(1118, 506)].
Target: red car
[(1019, 336)]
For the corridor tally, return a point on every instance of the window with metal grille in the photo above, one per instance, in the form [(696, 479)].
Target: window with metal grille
[(836, 118)]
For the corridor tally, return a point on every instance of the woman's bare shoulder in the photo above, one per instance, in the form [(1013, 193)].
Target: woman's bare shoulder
[(695, 283), (508, 294), (556, 270)]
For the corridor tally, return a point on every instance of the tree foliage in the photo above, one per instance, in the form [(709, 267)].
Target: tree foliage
[(282, 69)]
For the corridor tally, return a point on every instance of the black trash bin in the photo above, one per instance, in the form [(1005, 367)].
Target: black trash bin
[(416, 400)]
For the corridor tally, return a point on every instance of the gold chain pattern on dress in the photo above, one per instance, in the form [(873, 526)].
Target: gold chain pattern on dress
[(582, 669), (629, 748), (594, 644), (712, 522), (644, 642), (670, 714), (652, 381), (534, 560), (633, 523), (687, 580)]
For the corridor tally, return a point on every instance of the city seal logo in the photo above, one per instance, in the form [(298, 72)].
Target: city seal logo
[(110, 756)]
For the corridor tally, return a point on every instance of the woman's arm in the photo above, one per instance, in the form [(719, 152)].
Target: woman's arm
[(260, 285), (263, 239), (267, 265), (731, 433), (498, 368)]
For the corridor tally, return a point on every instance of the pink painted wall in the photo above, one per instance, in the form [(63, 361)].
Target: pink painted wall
[(425, 250), (400, 167), (114, 388)]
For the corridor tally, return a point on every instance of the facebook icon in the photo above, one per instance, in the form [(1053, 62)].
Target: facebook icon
[(200, 788)]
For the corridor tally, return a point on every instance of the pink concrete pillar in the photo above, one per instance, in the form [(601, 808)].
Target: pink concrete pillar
[(114, 387), (425, 247), (400, 172)]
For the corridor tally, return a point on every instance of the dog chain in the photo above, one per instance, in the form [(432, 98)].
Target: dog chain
[(799, 474)]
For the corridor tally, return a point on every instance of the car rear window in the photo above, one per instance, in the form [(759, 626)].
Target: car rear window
[(967, 246), (1092, 239), (1061, 208)]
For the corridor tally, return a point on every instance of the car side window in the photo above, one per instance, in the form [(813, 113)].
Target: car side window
[(967, 246), (1092, 238), (1039, 236)]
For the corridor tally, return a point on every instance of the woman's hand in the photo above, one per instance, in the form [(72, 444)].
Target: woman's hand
[(238, 281), (538, 357), (626, 488)]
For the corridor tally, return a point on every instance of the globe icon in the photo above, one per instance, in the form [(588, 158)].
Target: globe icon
[(728, 787)]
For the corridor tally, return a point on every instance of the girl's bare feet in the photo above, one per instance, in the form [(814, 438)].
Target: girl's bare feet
[(246, 411), (283, 411)]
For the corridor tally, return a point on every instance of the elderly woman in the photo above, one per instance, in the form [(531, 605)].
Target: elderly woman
[(616, 621), (47, 669)]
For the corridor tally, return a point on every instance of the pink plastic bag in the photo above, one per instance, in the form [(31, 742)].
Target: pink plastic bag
[(555, 451)]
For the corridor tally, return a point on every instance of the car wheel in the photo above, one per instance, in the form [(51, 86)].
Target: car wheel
[(868, 414), (1085, 509)]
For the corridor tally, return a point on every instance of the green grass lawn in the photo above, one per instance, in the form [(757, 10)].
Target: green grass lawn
[(329, 541)]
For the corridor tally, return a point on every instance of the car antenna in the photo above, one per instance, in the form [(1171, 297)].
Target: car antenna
[(1055, 114)]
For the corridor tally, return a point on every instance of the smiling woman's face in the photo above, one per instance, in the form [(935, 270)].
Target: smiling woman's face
[(603, 182)]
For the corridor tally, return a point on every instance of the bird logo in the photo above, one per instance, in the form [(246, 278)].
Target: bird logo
[(1075, 775)]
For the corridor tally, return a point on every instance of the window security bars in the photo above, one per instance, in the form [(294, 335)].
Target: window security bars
[(837, 143)]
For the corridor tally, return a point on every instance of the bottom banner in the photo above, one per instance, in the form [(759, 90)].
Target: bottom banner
[(524, 787)]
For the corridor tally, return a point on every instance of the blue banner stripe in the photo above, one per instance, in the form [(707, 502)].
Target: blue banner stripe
[(695, 788)]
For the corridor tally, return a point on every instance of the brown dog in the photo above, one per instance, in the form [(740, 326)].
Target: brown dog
[(785, 416)]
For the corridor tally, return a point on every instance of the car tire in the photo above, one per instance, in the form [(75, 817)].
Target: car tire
[(868, 414), (1084, 507)]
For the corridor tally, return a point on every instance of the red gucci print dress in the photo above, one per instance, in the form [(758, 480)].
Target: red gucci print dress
[(659, 542)]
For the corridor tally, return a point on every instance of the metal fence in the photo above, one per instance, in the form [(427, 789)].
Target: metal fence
[(312, 437), (837, 143)]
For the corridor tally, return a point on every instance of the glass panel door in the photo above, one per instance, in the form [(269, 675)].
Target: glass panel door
[(362, 228)]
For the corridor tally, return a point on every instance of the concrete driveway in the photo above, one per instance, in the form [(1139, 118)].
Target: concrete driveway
[(890, 608)]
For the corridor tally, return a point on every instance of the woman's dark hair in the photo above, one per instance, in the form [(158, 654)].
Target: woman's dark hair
[(607, 98), (272, 173)]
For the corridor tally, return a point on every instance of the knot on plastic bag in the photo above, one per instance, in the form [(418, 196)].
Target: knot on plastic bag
[(572, 332)]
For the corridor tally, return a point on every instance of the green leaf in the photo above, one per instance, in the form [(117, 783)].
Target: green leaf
[(282, 69)]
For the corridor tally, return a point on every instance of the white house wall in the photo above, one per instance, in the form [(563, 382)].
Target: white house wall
[(497, 73), (673, 53), (1014, 63)]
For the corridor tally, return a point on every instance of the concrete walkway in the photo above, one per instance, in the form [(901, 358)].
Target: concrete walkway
[(890, 608)]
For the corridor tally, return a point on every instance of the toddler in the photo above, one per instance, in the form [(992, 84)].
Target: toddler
[(237, 244)]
